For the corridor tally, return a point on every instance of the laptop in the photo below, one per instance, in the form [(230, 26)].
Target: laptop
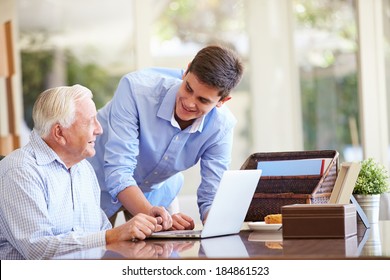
[(229, 207)]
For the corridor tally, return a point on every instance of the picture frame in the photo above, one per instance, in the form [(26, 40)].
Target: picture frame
[(343, 188)]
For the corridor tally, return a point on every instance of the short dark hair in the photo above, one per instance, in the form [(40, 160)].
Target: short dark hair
[(218, 67)]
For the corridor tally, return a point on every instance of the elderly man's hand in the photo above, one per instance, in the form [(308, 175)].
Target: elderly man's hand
[(137, 228)]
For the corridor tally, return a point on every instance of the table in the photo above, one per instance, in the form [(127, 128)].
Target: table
[(371, 243)]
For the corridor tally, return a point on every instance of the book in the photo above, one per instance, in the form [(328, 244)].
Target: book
[(296, 167)]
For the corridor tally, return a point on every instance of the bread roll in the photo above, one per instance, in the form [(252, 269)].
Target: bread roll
[(273, 219)]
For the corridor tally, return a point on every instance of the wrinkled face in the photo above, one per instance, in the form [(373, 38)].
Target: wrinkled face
[(195, 99), (81, 135)]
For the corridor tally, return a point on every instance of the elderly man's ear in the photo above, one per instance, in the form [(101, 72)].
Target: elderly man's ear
[(57, 134)]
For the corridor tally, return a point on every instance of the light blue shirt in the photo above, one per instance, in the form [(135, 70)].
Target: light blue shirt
[(46, 209), (140, 144)]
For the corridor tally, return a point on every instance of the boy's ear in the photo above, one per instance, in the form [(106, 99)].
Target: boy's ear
[(221, 102), (186, 72)]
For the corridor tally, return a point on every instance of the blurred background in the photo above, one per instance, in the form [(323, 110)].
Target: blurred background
[(317, 71)]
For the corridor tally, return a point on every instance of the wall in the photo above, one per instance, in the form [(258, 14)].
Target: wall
[(11, 108)]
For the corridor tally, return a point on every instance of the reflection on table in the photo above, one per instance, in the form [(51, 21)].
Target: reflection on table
[(373, 242)]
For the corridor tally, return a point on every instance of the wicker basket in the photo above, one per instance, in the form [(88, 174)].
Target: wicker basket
[(273, 192)]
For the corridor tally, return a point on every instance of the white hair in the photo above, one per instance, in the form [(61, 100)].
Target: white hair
[(57, 105)]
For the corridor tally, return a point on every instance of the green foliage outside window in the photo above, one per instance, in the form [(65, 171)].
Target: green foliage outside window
[(93, 77), (37, 68)]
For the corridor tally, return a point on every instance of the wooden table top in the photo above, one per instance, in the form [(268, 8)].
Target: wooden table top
[(373, 242)]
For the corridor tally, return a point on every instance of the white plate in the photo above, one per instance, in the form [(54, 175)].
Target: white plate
[(263, 226)]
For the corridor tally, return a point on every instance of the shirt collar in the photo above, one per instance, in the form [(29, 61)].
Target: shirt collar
[(43, 153), (197, 125), (168, 103)]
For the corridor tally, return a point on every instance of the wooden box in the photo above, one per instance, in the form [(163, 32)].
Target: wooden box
[(273, 192), (319, 221)]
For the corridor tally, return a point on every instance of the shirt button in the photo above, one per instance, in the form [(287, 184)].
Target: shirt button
[(177, 138), (166, 157), (155, 173), (146, 182)]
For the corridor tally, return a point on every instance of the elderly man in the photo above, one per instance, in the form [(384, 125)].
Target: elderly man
[(49, 194)]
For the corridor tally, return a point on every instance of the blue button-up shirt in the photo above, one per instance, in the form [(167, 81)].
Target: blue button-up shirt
[(142, 145), (45, 209)]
